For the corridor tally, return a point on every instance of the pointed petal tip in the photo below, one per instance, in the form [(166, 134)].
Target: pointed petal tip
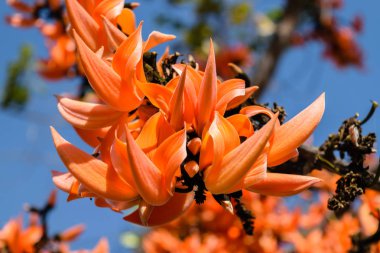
[(211, 50), (277, 184), (294, 132), (237, 163), (53, 131)]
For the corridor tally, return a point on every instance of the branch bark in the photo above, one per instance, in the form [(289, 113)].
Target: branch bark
[(308, 161), (278, 44)]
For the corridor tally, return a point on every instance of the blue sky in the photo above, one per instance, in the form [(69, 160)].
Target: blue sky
[(27, 153)]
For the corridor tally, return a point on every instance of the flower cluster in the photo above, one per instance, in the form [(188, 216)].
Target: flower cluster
[(312, 228), (162, 142), (51, 18), (35, 238), (340, 45)]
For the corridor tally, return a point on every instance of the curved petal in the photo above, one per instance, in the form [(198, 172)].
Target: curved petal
[(169, 156), (241, 99), (72, 233), (258, 171), (83, 23), (194, 79), (161, 60), (207, 93), (155, 38), (254, 110), (62, 181), (10, 232), (103, 79), (87, 115), (154, 132), (160, 215), (148, 178), (108, 8), (255, 174), (176, 104), (192, 83), (30, 236), (277, 184), (101, 247), (157, 94), (242, 125), (114, 36), (293, 133), (237, 163), (127, 21), (227, 91), (20, 6), (94, 174), (120, 161), (128, 55), (220, 138), (92, 137)]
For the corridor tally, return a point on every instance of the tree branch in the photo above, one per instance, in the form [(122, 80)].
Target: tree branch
[(279, 43), (308, 161)]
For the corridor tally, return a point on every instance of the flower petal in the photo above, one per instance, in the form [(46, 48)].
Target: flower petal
[(62, 181), (227, 91), (120, 161), (20, 6), (255, 174), (87, 115), (220, 138), (83, 23), (169, 156), (101, 247), (207, 93), (103, 79), (241, 99), (94, 174), (114, 36), (293, 133), (277, 184), (128, 55), (155, 38), (148, 178), (127, 21), (157, 94), (71, 233), (92, 137), (160, 215), (154, 132), (108, 8), (242, 124), (176, 104), (238, 162)]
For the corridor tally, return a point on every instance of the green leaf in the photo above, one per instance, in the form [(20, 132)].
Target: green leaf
[(239, 13), (16, 92)]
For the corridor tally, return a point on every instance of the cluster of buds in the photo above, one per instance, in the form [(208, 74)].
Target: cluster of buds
[(35, 238), (162, 142), (359, 173)]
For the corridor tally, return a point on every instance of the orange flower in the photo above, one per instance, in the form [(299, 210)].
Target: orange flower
[(96, 24), (143, 167), (62, 59), (227, 164), (16, 239), (146, 158)]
